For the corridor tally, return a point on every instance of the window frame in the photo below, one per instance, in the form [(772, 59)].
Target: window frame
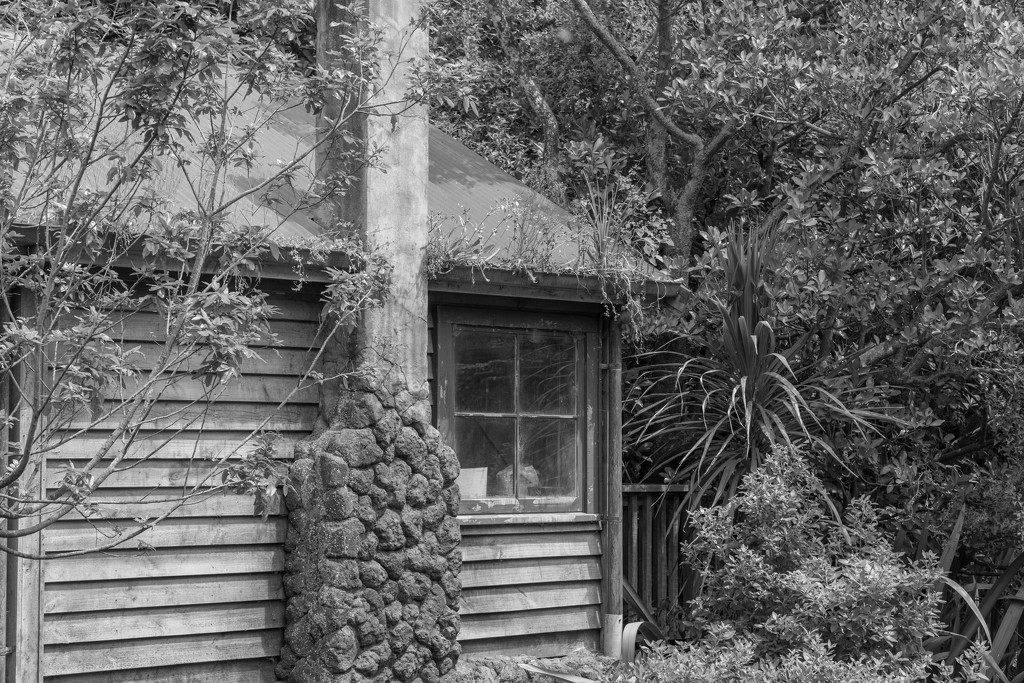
[(588, 330)]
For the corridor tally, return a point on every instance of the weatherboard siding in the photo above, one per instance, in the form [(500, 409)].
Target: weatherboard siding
[(199, 597), (205, 602), (530, 588), (531, 583)]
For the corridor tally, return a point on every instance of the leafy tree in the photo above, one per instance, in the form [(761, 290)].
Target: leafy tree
[(124, 128), (876, 146)]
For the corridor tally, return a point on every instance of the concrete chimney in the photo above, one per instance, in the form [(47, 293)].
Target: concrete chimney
[(388, 205)]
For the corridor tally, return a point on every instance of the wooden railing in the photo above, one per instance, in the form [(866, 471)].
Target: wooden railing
[(651, 533)]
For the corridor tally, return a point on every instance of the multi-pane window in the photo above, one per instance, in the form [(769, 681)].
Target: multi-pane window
[(515, 412)]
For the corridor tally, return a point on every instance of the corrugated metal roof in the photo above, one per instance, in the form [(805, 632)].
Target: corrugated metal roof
[(467, 196)]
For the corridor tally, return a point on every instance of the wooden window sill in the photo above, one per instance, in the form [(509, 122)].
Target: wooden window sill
[(527, 518)]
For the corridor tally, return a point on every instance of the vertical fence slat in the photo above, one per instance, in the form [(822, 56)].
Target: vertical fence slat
[(651, 558), (634, 532), (644, 550), (661, 548), (671, 504)]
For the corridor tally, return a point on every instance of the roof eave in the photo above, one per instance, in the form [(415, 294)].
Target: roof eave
[(550, 286), (282, 268)]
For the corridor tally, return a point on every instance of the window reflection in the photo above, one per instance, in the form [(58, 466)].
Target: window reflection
[(484, 371), (486, 448), (516, 423), (548, 448), (547, 367)]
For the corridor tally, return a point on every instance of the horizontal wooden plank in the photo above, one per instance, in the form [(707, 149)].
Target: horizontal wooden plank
[(206, 531), (508, 624), (245, 671), (528, 523), (295, 306), (146, 326), (88, 596), (546, 291), (543, 645), (158, 622), (219, 416), (640, 489), (152, 473), (189, 445), (272, 389), (152, 652), (271, 273), (286, 305), (517, 546), (134, 564), (528, 597), (516, 572), (290, 362), (145, 502)]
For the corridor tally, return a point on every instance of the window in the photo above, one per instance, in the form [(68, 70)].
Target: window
[(514, 396)]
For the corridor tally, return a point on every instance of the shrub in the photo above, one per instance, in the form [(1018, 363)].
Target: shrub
[(735, 660), (794, 592), (785, 570)]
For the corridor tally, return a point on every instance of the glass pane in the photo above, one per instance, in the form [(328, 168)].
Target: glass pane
[(484, 371), (547, 363), (486, 450), (548, 457)]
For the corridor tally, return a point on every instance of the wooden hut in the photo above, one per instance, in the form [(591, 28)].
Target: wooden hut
[(523, 366), (524, 372)]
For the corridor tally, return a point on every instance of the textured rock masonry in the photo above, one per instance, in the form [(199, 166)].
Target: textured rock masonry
[(372, 559)]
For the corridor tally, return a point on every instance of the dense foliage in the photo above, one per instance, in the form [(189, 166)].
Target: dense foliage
[(793, 592), (840, 185), (136, 184), (873, 152), (785, 571)]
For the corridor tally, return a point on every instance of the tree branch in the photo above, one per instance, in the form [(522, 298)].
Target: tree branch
[(636, 77), (986, 198), (657, 136), (534, 97)]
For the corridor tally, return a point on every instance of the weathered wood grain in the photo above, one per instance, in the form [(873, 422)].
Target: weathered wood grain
[(221, 416), (127, 625), (107, 656), (145, 502), (543, 645), (294, 307), (291, 362), (210, 592), (508, 624), (501, 599), (207, 531), (519, 546), (131, 564), (516, 572), (243, 671), (145, 474), (88, 596), (271, 389), (530, 523), (148, 326), (189, 445)]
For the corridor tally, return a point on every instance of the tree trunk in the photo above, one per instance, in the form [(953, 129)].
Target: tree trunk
[(534, 97)]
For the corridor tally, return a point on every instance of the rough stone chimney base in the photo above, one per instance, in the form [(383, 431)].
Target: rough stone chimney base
[(372, 562)]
